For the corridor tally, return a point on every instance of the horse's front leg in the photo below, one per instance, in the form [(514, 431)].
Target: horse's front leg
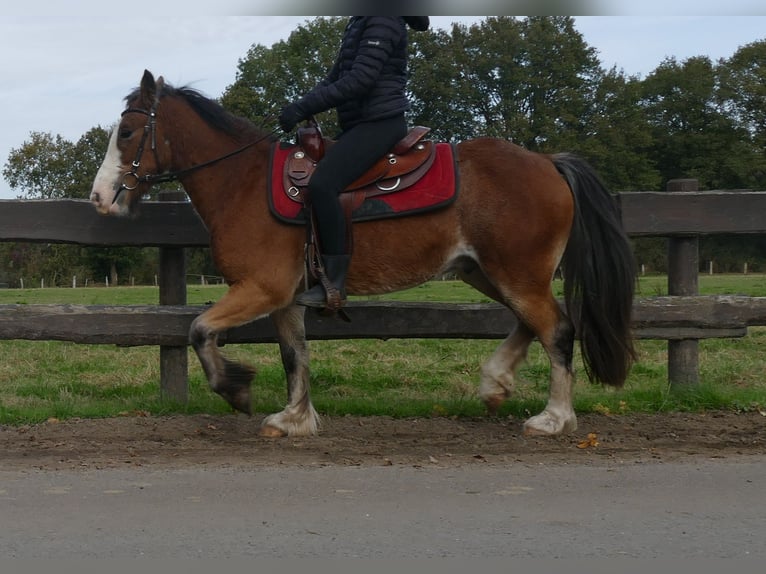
[(241, 304), (299, 417)]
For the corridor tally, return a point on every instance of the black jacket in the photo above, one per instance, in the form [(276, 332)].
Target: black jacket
[(368, 79)]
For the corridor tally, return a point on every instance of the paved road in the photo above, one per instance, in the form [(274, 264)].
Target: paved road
[(708, 508)]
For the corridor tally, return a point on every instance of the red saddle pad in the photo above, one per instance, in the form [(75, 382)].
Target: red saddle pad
[(436, 189)]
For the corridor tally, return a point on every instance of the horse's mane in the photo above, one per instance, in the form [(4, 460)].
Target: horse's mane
[(212, 112)]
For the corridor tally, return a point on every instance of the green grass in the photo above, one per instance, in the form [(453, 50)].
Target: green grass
[(413, 377)]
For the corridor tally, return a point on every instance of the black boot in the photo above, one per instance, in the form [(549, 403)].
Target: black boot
[(332, 296)]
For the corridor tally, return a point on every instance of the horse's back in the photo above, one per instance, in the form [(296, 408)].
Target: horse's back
[(522, 189)]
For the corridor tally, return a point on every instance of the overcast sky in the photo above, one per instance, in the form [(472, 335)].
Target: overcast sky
[(66, 69)]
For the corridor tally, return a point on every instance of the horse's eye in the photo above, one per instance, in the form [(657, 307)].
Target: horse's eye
[(125, 133)]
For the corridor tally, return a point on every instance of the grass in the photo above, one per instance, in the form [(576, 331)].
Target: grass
[(412, 377)]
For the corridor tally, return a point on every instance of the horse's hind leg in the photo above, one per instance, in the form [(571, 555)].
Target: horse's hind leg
[(299, 417), (499, 371), (539, 316), (556, 334)]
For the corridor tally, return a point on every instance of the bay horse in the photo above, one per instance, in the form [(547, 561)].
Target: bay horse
[(518, 217)]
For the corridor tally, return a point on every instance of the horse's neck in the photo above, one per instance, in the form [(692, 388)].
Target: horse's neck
[(222, 188)]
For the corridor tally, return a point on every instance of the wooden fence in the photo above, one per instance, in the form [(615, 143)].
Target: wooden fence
[(682, 318)]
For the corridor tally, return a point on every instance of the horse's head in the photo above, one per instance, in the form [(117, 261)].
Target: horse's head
[(137, 152)]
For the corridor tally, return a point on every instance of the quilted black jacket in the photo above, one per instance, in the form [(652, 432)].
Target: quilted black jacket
[(368, 79)]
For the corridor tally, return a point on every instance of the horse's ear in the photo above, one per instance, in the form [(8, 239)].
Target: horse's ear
[(148, 87)]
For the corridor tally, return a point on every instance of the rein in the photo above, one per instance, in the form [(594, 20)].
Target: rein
[(131, 179)]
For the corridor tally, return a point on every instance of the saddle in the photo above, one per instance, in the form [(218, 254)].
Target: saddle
[(407, 162)]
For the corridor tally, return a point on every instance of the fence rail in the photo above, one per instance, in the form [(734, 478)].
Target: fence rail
[(682, 318), (669, 318)]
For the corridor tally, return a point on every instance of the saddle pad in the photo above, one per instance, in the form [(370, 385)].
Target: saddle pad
[(436, 189)]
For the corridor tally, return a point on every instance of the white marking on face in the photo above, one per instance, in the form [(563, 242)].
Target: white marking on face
[(108, 177)]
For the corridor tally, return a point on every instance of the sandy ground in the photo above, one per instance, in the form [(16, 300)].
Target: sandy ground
[(232, 440)]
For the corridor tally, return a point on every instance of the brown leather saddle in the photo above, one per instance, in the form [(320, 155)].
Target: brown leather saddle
[(407, 162)]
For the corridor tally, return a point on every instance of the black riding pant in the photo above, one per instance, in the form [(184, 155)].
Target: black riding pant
[(355, 151)]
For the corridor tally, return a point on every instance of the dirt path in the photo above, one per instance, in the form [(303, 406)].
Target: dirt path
[(233, 440)]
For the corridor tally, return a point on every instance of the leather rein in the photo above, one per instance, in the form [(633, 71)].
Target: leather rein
[(131, 179)]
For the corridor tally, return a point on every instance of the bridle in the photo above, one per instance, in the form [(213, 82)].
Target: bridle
[(131, 179)]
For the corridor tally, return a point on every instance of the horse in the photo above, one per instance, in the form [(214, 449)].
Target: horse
[(520, 216)]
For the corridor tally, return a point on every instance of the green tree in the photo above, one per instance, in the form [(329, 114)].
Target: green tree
[(562, 74), (743, 94), (51, 167), (528, 80), (694, 136), (39, 169), (86, 157), (617, 138), (268, 78), (439, 65)]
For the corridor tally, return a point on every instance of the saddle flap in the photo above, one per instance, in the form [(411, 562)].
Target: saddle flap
[(299, 167), (394, 165)]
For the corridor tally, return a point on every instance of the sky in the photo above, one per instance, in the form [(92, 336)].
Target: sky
[(66, 66)]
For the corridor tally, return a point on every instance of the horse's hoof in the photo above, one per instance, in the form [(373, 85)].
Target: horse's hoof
[(547, 424), (269, 431), (236, 387), (238, 398), (493, 403)]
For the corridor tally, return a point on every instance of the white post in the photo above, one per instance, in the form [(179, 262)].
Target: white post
[(710, 270), (42, 283), (106, 280), (21, 280), (744, 271), (74, 281)]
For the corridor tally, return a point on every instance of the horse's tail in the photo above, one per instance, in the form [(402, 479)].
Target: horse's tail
[(599, 275)]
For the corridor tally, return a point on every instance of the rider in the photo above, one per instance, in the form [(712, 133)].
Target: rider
[(366, 86)]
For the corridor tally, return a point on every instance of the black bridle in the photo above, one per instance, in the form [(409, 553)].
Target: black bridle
[(131, 179)]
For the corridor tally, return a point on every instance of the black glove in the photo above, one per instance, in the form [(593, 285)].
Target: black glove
[(290, 116)]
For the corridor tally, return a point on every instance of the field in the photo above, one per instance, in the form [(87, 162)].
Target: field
[(402, 378)]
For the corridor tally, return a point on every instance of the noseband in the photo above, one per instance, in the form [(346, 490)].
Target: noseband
[(131, 179)]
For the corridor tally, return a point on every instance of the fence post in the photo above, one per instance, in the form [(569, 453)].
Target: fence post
[(683, 272), (172, 283)]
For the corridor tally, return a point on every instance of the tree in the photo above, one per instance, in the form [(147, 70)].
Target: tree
[(528, 80), (743, 95), (562, 73), (39, 169), (617, 138), (694, 136), (50, 167), (268, 78), (438, 65), (86, 157)]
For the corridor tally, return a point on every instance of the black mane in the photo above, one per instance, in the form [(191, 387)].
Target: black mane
[(211, 111)]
